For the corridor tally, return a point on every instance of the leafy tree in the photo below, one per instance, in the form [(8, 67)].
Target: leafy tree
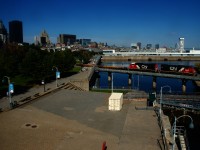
[(31, 64)]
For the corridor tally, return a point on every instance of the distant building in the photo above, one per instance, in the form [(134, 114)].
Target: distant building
[(36, 40), (93, 45), (149, 46), (15, 32), (66, 39), (134, 46), (44, 38), (84, 42), (3, 32), (139, 44), (181, 44), (157, 46)]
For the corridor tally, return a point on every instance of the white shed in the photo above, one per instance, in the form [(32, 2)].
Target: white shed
[(115, 101)]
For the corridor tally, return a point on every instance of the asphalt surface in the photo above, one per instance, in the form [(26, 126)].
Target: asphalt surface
[(69, 119)]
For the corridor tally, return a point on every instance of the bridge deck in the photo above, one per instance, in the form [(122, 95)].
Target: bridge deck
[(155, 74)]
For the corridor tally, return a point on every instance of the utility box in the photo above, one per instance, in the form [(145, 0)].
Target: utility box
[(115, 101)]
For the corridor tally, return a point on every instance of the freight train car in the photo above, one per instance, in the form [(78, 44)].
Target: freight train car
[(178, 69)]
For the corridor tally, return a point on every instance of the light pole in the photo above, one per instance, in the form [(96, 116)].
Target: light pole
[(138, 81), (43, 82), (191, 125), (9, 93), (161, 89), (56, 74), (112, 83)]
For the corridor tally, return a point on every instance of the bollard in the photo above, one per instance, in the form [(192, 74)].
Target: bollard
[(104, 147)]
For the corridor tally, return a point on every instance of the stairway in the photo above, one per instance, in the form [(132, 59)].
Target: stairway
[(71, 86)]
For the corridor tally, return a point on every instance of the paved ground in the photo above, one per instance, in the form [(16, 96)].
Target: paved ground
[(78, 120)]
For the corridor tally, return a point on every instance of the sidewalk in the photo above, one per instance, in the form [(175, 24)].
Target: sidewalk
[(4, 102)]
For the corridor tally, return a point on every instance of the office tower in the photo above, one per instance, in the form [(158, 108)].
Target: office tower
[(181, 44), (15, 31), (44, 38), (67, 39)]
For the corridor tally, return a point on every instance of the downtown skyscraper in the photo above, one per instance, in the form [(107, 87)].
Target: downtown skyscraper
[(15, 32)]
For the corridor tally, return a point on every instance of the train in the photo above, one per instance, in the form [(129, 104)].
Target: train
[(164, 68)]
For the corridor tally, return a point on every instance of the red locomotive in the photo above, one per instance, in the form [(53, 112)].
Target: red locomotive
[(164, 68)]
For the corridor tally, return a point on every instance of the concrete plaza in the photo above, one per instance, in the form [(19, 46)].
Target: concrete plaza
[(77, 120)]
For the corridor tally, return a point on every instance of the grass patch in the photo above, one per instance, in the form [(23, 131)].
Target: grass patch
[(76, 69), (21, 80)]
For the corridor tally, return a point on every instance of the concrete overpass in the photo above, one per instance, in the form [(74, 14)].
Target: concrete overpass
[(184, 78)]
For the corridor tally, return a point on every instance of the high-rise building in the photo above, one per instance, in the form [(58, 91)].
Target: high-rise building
[(67, 39), (15, 32), (181, 44), (44, 38), (3, 33)]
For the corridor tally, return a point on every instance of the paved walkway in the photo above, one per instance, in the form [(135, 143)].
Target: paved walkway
[(4, 102)]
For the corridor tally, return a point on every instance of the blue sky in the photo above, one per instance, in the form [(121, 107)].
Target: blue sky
[(119, 22)]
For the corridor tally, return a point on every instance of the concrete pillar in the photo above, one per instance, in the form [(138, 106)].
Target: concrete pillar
[(129, 79), (184, 85), (97, 83), (109, 79), (154, 83)]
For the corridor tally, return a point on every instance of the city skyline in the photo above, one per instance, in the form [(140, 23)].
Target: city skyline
[(113, 22)]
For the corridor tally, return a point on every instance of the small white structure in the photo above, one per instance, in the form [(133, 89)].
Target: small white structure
[(115, 101)]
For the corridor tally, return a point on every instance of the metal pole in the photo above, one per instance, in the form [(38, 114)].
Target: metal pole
[(9, 94), (112, 82), (161, 96), (56, 76), (160, 100)]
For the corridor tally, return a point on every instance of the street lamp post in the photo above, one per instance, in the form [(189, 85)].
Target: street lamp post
[(191, 125), (112, 83), (9, 93), (43, 82), (56, 75), (161, 89)]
